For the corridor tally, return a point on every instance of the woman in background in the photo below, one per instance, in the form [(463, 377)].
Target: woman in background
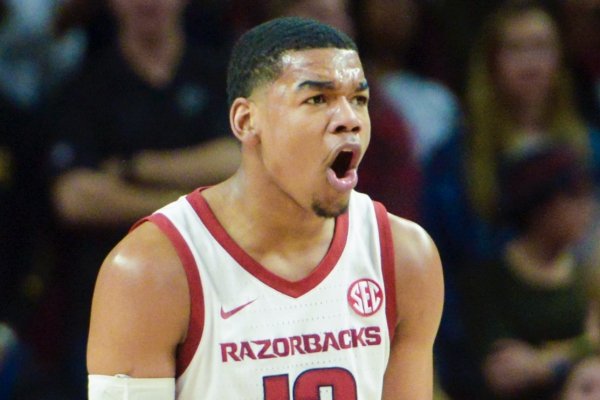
[(518, 95)]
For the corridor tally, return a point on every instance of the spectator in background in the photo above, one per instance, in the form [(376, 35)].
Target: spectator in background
[(411, 114), (518, 94), (529, 309), (204, 23), (143, 123)]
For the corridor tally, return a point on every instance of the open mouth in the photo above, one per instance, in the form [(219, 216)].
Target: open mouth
[(342, 174), (342, 163)]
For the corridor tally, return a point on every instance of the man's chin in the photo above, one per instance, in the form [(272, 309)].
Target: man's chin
[(329, 211)]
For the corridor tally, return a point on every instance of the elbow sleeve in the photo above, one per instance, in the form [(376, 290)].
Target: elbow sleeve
[(122, 387)]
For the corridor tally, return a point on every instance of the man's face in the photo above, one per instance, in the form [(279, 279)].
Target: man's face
[(314, 127)]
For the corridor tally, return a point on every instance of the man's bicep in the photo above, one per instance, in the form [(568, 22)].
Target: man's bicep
[(409, 374), (137, 317)]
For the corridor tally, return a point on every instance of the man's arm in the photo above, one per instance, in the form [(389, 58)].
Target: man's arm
[(419, 299), (140, 308), (103, 197), (87, 197), (201, 165)]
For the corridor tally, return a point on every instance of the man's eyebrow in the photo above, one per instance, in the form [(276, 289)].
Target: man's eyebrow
[(317, 85), (328, 85)]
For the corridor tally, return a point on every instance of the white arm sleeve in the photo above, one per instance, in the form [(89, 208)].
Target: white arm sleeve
[(122, 387)]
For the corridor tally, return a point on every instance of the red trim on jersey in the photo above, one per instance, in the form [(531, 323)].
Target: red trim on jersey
[(387, 264), (290, 288), (139, 222), (186, 350)]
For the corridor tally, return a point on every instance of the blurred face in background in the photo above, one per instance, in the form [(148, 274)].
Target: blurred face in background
[(568, 216), (148, 18), (528, 58), (331, 12), (584, 383)]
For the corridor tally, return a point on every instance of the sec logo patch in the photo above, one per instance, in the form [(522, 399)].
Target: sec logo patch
[(365, 297)]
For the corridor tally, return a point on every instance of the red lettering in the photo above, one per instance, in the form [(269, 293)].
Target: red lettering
[(281, 347), (305, 344), (296, 342), (229, 349), (330, 340), (246, 351), (266, 345), (312, 343), (373, 335), (357, 337), (345, 339)]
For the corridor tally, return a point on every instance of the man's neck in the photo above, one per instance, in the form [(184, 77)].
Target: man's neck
[(270, 209), (268, 226), (154, 59)]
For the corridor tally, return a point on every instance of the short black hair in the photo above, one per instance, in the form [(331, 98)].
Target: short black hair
[(256, 57)]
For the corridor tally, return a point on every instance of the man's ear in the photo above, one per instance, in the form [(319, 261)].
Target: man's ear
[(242, 118)]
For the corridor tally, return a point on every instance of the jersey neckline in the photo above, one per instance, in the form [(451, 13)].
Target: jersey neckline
[(290, 288)]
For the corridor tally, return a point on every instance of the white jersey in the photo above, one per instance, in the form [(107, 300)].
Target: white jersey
[(254, 335)]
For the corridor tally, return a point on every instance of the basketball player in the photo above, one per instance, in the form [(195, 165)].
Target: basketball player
[(281, 282)]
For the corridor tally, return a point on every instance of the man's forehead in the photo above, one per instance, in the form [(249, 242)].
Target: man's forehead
[(322, 64)]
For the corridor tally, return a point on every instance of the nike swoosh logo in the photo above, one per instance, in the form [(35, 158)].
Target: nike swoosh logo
[(232, 312)]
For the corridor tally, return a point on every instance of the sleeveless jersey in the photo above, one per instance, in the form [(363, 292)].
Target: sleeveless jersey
[(254, 335)]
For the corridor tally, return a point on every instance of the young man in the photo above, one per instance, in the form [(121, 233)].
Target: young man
[(281, 282)]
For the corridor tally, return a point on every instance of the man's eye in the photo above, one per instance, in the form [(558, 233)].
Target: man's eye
[(361, 100), (319, 99)]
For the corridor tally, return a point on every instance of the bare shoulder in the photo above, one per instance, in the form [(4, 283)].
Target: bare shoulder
[(414, 249), (140, 307), (145, 258), (419, 276)]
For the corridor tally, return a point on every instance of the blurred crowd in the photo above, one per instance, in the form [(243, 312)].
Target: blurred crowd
[(485, 130)]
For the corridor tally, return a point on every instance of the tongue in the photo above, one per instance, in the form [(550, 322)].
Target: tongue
[(345, 183)]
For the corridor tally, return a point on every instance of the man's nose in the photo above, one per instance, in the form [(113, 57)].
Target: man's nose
[(345, 118)]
